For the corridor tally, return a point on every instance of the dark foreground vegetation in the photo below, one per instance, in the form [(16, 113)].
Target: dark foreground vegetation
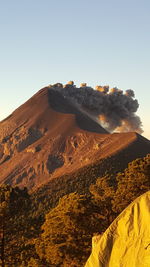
[(37, 230)]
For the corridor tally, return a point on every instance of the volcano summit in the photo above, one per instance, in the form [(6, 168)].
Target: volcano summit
[(58, 131)]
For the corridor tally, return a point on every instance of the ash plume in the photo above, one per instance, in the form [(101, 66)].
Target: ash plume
[(115, 109)]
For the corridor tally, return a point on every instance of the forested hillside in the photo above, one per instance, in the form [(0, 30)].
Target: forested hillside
[(37, 232)]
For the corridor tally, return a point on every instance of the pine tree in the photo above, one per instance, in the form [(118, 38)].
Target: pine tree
[(13, 225), (68, 230), (131, 183), (103, 192)]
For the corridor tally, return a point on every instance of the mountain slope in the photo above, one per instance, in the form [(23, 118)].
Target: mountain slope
[(49, 136)]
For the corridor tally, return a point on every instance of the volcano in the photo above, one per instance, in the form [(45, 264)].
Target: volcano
[(49, 136)]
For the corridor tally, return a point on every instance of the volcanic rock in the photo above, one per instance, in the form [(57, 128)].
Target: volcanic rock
[(49, 136)]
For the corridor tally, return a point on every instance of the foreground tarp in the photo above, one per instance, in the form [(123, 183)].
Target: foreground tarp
[(126, 243)]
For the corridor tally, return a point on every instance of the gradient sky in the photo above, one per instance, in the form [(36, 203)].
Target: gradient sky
[(99, 42)]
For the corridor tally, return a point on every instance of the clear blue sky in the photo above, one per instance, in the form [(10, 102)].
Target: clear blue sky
[(95, 41)]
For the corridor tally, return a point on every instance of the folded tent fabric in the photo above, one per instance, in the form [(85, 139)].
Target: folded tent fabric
[(126, 243)]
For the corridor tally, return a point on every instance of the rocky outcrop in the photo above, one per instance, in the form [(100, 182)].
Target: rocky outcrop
[(18, 141)]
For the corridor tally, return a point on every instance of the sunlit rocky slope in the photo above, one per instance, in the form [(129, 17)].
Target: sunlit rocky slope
[(49, 136)]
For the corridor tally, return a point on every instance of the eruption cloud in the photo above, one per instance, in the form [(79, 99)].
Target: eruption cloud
[(114, 109)]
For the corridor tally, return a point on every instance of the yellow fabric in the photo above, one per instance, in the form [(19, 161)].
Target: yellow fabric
[(126, 243)]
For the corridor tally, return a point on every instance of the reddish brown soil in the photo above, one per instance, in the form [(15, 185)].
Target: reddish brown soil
[(48, 137)]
